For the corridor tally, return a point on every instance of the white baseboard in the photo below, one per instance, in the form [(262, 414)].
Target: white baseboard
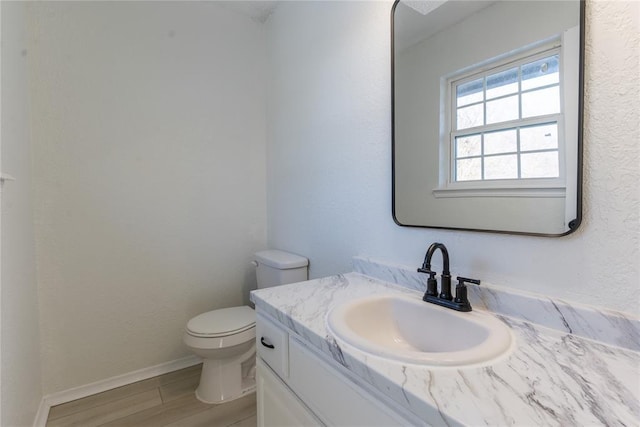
[(107, 384), (42, 414)]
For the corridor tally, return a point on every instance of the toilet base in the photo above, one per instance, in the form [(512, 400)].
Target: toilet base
[(226, 380), (248, 387)]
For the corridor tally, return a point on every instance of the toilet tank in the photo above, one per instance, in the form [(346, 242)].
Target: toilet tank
[(276, 267)]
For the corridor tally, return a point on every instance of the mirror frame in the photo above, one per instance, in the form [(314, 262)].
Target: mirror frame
[(574, 224)]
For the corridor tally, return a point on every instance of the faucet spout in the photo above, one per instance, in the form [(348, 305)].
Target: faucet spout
[(445, 284), (445, 257)]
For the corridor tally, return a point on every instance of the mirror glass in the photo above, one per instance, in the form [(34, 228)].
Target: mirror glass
[(487, 115)]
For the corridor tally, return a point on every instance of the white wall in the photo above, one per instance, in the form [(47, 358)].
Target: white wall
[(149, 158), (329, 159), (21, 384)]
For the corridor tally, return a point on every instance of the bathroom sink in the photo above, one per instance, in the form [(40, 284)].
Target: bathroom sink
[(407, 329)]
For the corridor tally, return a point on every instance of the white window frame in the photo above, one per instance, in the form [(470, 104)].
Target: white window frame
[(527, 187)]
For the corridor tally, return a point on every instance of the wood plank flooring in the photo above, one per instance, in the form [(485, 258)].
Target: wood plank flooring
[(166, 400)]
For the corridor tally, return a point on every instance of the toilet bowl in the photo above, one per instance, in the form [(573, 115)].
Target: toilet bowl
[(225, 339)]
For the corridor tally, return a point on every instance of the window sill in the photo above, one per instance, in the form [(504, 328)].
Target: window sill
[(542, 192)]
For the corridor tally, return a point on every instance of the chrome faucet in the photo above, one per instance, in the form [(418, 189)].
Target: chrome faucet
[(445, 299)]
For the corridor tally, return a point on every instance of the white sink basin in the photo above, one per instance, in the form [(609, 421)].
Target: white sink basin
[(407, 329)]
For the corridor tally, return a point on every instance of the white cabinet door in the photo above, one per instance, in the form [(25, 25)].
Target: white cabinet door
[(335, 399), (277, 405)]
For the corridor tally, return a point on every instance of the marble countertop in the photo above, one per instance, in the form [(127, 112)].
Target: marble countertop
[(551, 378)]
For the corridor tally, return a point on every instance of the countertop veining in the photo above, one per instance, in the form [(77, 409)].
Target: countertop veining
[(550, 378)]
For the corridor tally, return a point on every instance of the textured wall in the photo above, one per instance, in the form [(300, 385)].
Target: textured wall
[(149, 143), (329, 159), (21, 382)]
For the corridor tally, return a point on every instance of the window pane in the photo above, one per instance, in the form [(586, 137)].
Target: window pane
[(501, 167), (468, 170), (469, 92), (469, 145), (501, 142), (503, 109), (503, 83), (542, 72), (470, 116), (541, 102), (539, 137), (540, 165)]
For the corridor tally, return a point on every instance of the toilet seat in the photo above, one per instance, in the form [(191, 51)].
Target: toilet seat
[(222, 322)]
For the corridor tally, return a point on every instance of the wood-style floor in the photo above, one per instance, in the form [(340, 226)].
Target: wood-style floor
[(167, 400)]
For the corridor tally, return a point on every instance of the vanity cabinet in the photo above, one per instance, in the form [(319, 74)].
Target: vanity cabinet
[(277, 404), (299, 387)]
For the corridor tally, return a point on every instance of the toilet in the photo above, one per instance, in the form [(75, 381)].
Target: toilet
[(226, 338)]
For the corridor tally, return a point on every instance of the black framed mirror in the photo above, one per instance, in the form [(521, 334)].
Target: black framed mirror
[(487, 115)]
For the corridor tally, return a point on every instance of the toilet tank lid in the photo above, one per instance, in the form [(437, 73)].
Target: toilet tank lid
[(280, 259)]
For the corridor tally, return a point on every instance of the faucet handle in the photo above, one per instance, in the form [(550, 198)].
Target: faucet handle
[(432, 284), (432, 274), (461, 281), (461, 293)]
